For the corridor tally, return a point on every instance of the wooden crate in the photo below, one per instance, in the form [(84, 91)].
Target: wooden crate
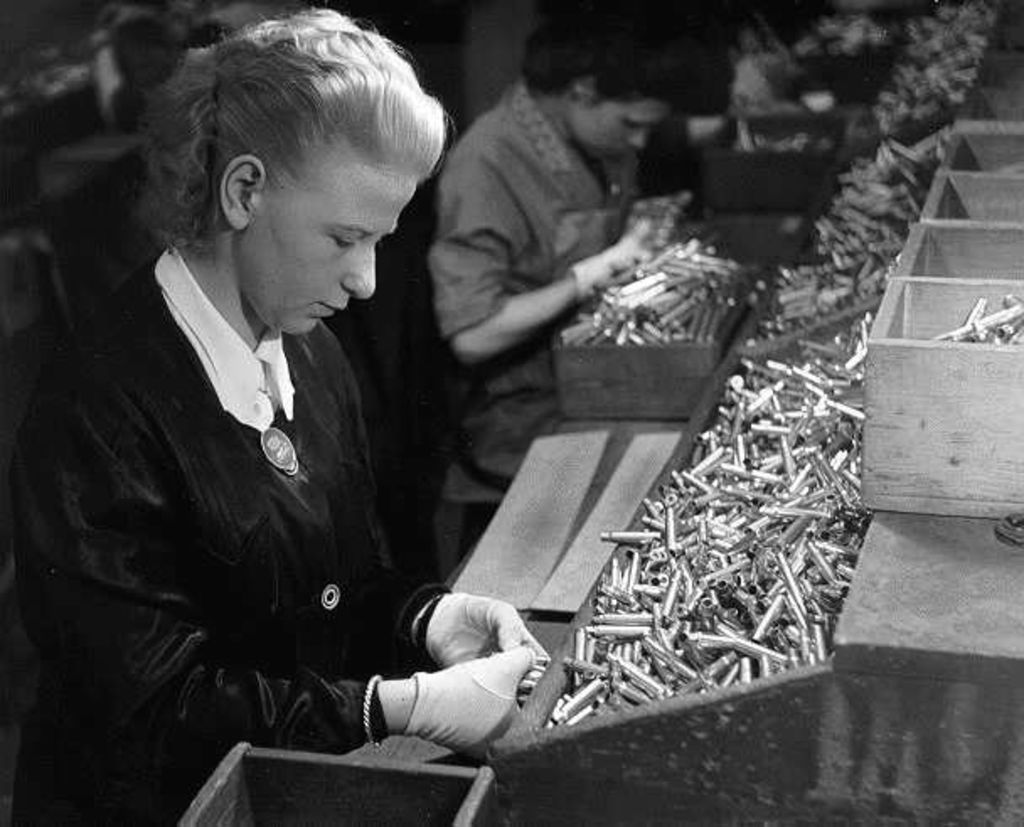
[(985, 146), (962, 249), (764, 180), (994, 103), (975, 196), (1001, 69), (852, 78), (1008, 32), (998, 92), (634, 382), (645, 381), (254, 786), (759, 238), (944, 419)]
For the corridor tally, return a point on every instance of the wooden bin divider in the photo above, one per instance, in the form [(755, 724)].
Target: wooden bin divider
[(535, 517), (572, 578), (962, 249), (994, 103), (975, 196), (985, 146)]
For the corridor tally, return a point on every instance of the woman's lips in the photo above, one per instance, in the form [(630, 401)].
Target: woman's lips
[(328, 309)]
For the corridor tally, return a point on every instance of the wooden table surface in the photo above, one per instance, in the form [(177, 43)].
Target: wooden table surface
[(935, 597)]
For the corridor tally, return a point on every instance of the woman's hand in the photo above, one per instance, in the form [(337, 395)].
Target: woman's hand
[(464, 707), (467, 626), (595, 272)]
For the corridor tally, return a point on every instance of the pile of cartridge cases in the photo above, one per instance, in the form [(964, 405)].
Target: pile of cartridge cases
[(683, 294), (740, 565), (1004, 326), (865, 227), (937, 67), (748, 140), (844, 34), (857, 239)]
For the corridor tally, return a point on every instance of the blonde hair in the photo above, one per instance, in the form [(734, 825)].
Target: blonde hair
[(280, 90)]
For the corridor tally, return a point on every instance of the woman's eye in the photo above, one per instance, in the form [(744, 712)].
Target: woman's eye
[(342, 243)]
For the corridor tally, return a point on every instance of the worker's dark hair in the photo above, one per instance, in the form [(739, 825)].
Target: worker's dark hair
[(625, 61)]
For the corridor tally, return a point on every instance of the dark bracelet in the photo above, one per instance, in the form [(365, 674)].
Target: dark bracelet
[(374, 724), (422, 621)]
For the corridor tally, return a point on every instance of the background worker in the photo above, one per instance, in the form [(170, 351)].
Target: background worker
[(532, 203)]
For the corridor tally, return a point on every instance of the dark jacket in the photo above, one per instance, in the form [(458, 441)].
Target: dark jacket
[(179, 588)]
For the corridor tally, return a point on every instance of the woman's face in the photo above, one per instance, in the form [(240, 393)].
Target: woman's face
[(611, 128), (310, 244)]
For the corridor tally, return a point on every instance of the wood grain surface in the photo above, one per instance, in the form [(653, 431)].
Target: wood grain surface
[(944, 419), (570, 582), (518, 551), (934, 597)]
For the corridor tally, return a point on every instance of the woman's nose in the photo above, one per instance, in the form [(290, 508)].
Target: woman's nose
[(360, 278)]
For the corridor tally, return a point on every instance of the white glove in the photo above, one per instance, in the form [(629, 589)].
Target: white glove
[(467, 706), (467, 626)]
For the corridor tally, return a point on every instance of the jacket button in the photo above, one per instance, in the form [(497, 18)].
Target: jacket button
[(330, 597)]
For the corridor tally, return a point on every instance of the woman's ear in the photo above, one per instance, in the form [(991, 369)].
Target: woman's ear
[(241, 187)]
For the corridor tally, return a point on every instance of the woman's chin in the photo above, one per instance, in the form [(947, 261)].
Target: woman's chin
[(301, 325)]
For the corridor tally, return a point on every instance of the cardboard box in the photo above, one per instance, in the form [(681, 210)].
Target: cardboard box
[(285, 787), (975, 196), (962, 249), (944, 419)]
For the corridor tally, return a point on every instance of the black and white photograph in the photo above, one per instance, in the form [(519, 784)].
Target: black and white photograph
[(511, 412)]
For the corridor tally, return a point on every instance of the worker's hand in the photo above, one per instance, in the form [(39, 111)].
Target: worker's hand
[(467, 626), (595, 272), (467, 706), (764, 83)]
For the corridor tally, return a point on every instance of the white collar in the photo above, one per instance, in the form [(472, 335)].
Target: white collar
[(245, 389)]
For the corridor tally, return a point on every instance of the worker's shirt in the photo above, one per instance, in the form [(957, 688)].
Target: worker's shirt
[(251, 385), (517, 206)]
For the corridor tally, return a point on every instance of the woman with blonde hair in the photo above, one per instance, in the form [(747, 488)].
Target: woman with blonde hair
[(198, 558)]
